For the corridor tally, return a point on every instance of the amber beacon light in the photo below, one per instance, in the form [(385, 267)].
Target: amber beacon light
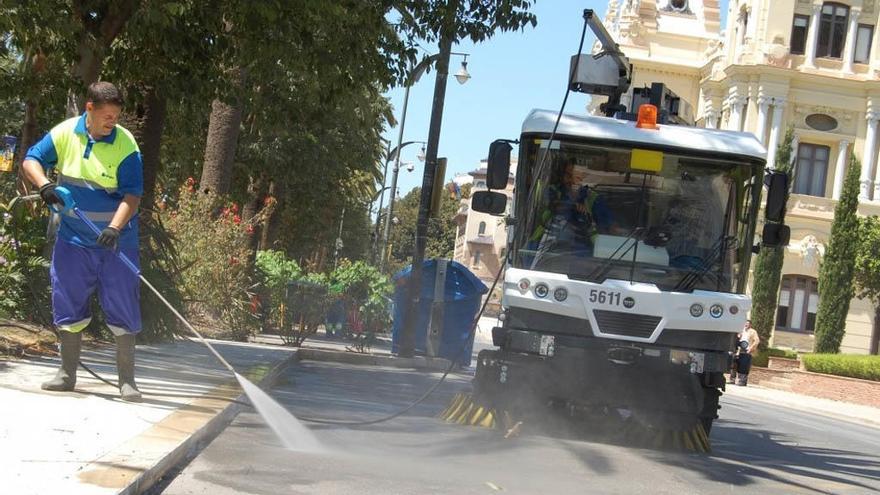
[(647, 117)]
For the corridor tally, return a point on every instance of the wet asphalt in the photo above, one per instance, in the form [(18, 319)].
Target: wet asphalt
[(757, 448)]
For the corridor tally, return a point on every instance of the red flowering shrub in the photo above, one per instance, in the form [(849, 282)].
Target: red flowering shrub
[(215, 253)]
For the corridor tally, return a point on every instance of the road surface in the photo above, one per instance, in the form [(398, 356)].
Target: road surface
[(757, 448)]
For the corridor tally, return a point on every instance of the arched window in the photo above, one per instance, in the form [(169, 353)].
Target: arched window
[(482, 229), (832, 30), (798, 303)]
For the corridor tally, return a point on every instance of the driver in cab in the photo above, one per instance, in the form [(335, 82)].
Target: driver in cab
[(572, 216)]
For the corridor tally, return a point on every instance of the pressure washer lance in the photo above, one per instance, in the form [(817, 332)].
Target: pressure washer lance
[(293, 434)]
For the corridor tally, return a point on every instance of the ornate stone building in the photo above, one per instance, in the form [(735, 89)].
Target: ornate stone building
[(809, 64)]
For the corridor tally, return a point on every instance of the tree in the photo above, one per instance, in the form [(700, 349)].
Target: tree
[(836, 271), (867, 268), (768, 266), (441, 230)]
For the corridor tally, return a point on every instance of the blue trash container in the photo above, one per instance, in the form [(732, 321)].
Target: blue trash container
[(463, 293)]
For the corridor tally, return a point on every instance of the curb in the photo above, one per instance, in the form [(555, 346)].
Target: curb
[(418, 362), (859, 420), (197, 440)]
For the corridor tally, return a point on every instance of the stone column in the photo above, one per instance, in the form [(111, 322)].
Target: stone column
[(763, 108), (849, 48), (775, 131), (735, 104), (812, 37), (710, 117), (840, 169), (869, 158)]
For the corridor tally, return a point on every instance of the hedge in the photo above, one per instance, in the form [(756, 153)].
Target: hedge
[(851, 365), (762, 358), (782, 353)]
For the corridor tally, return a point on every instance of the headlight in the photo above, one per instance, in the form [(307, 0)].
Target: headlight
[(696, 310), (541, 290), (716, 310), (734, 309), (524, 285), (560, 294)]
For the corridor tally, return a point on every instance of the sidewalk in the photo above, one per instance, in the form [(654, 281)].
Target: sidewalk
[(90, 442), (868, 416)]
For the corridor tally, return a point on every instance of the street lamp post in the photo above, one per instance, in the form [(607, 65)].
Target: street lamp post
[(462, 76), (394, 174), (408, 334)]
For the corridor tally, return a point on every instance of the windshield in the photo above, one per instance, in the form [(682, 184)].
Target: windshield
[(599, 212)]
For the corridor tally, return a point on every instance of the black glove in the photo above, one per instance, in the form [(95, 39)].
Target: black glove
[(109, 238), (47, 192)]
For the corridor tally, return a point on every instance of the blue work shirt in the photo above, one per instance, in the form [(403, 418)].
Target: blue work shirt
[(98, 173)]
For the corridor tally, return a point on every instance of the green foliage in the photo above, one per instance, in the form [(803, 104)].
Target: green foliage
[(363, 286), (768, 266), (305, 307), (365, 291), (160, 264), (441, 230), (782, 353), (274, 271), (851, 365), (837, 269), (214, 253), (867, 269), (24, 284)]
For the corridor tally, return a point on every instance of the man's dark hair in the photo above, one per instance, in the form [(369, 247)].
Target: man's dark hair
[(103, 92)]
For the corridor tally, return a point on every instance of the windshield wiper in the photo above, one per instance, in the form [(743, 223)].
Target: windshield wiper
[(691, 278)]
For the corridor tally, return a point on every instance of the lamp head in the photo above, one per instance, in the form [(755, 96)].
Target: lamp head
[(463, 75)]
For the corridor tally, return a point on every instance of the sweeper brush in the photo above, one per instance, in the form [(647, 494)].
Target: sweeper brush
[(465, 409)]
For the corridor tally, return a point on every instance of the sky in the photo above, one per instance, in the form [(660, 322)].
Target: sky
[(511, 74)]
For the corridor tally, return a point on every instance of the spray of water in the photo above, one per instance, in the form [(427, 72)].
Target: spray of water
[(293, 434)]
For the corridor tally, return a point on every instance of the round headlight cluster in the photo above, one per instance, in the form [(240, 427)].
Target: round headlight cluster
[(696, 310), (560, 294), (716, 310), (541, 290)]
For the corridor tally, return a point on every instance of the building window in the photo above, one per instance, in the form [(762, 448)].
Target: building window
[(798, 303), (821, 122), (476, 260), (863, 44), (482, 229), (678, 5), (832, 30), (799, 28), (812, 169)]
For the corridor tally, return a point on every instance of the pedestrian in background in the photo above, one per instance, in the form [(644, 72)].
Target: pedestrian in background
[(747, 345), (99, 162)]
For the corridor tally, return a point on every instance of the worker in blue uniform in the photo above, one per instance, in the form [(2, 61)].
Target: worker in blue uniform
[(99, 162)]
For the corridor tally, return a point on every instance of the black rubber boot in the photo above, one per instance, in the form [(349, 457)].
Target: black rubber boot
[(65, 379), (125, 365)]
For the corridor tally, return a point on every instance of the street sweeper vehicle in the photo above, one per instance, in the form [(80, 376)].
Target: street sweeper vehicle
[(629, 242)]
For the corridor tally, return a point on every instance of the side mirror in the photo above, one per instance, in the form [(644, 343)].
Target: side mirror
[(775, 235), (499, 164), (777, 193), (493, 203)]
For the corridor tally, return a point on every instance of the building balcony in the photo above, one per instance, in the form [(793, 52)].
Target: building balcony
[(482, 239), (821, 208)]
